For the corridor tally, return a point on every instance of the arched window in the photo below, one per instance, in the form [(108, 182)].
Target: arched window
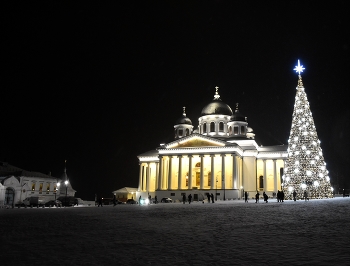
[(230, 130), (235, 130), (221, 126), (187, 132), (205, 128), (212, 127), (181, 132), (198, 164)]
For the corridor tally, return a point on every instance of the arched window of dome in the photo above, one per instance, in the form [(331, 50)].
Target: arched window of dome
[(242, 130), (230, 130), (205, 128), (181, 132), (221, 126), (235, 130), (187, 132), (212, 127)]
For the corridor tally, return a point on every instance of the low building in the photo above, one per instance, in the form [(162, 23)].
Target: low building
[(17, 184), (125, 193)]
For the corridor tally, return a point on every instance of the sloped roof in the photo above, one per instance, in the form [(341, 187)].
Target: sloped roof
[(126, 190)]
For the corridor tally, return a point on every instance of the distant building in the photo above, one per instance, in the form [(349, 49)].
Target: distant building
[(17, 184), (125, 193), (219, 157)]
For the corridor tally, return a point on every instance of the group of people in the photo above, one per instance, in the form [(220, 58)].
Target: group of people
[(280, 196), (210, 197)]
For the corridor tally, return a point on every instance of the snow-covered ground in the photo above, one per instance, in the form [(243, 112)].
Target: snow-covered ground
[(316, 232)]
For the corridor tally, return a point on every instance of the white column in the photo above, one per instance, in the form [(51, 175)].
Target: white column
[(223, 170), (190, 172), (234, 171), (157, 176), (202, 175), (170, 172), (160, 175), (140, 178), (179, 176), (148, 176), (265, 177), (144, 177), (275, 176), (213, 180)]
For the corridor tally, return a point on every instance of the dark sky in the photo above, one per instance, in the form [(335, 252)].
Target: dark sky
[(97, 84)]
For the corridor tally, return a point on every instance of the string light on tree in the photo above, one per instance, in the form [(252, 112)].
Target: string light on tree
[(305, 168)]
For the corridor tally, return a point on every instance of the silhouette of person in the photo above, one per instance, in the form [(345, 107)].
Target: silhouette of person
[(212, 198), (257, 197), (149, 199), (278, 196), (265, 197), (155, 199), (282, 196), (100, 202), (184, 198), (189, 199), (246, 196), (114, 201), (140, 200), (305, 195), (294, 195), (208, 195)]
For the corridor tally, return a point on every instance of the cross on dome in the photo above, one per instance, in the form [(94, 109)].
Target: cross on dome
[(216, 96), (299, 68), (184, 111)]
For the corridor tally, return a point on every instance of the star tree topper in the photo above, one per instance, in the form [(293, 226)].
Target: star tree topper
[(299, 68)]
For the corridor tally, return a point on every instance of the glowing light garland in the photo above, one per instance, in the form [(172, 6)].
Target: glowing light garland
[(305, 168)]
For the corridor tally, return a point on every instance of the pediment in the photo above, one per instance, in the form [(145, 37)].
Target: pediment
[(195, 141)]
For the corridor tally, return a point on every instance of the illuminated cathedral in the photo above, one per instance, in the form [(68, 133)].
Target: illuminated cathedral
[(221, 157)]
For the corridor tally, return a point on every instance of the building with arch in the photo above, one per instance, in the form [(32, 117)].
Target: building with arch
[(219, 157), (17, 184)]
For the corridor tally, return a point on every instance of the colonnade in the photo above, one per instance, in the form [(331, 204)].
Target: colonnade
[(220, 171)]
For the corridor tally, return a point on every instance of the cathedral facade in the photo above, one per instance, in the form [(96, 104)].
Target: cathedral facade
[(219, 157)]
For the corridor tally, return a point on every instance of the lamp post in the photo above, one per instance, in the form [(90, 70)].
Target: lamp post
[(216, 189), (66, 183), (57, 188)]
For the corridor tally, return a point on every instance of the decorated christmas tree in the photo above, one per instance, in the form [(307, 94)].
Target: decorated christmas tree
[(305, 169)]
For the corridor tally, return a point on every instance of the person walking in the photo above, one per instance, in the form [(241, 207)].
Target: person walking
[(155, 199), (140, 200), (246, 196), (212, 198), (100, 202), (189, 199), (257, 197), (294, 195), (114, 200), (184, 198), (305, 195), (208, 195), (265, 197)]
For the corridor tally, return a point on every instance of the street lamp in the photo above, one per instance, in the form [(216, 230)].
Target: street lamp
[(224, 184), (57, 188), (216, 189), (66, 183)]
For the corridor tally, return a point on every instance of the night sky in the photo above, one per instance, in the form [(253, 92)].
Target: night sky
[(98, 83)]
